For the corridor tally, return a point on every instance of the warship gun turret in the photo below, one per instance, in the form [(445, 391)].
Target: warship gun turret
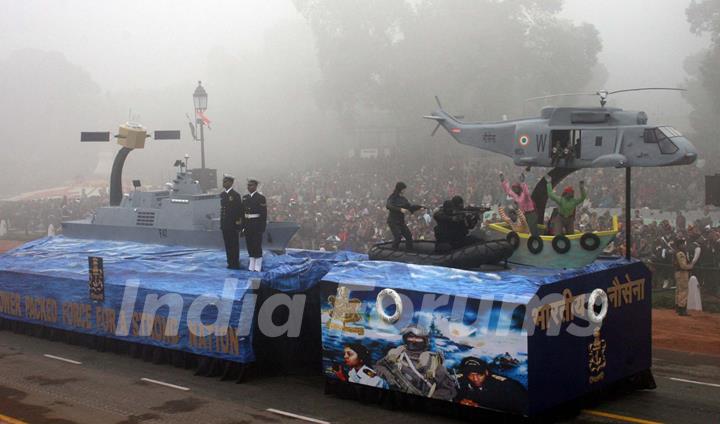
[(182, 214)]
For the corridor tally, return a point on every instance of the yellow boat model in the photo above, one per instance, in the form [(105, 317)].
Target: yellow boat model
[(561, 251)]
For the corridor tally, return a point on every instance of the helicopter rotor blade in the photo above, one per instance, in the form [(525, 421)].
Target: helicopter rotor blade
[(437, 100), (646, 89), (550, 96)]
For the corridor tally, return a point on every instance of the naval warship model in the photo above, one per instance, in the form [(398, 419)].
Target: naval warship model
[(182, 214)]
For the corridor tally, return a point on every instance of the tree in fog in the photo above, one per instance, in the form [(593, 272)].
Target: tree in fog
[(481, 57), (45, 100), (704, 75)]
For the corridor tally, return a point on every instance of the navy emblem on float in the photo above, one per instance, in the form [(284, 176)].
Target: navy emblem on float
[(576, 348), (458, 349)]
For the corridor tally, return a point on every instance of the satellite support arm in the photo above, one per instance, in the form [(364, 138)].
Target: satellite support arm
[(116, 193)]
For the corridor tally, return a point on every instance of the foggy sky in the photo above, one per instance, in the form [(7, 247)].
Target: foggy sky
[(148, 55), (139, 44), (644, 45), (168, 41)]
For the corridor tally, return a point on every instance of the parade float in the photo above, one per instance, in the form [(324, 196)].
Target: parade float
[(146, 274), (558, 325), (533, 341), (522, 339)]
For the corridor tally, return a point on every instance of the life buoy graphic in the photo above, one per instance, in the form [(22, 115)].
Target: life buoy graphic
[(524, 140), (595, 295), (380, 305)]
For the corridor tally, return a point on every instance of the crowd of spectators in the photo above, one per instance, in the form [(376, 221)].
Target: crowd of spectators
[(24, 219), (342, 205), (654, 243)]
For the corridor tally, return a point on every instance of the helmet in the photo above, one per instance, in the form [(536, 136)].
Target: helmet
[(415, 330), (458, 201)]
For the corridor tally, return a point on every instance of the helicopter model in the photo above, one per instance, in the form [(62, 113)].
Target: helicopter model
[(576, 137), (568, 139)]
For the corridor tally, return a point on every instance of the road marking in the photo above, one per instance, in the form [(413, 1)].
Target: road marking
[(162, 383), (10, 420), (58, 358), (622, 418), (296, 416), (694, 382)]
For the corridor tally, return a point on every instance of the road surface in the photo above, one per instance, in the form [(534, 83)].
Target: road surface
[(51, 382)]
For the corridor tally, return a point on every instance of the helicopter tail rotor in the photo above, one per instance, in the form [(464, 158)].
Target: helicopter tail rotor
[(432, 134), (438, 119), (441, 116)]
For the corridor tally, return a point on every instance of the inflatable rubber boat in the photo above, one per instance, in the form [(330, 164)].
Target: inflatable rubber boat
[(426, 253)]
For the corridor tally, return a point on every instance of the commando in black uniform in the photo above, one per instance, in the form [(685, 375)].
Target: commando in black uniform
[(397, 206), (454, 223)]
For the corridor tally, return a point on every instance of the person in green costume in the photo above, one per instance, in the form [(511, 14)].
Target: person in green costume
[(564, 221)]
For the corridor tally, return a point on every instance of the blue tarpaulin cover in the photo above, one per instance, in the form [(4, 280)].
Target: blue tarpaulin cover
[(63, 257), (516, 323), (46, 281), (520, 282)]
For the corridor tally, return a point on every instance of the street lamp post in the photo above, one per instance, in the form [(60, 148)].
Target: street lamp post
[(200, 102)]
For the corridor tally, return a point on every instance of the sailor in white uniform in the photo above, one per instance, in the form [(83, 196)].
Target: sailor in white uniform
[(355, 356)]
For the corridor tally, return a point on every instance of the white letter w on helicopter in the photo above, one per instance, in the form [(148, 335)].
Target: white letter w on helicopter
[(540, 141)]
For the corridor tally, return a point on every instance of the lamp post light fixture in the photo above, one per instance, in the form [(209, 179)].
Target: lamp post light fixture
[(200, 98)]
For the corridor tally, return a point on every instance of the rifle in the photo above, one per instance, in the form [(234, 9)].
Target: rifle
[(395, 378), (470, 211), (471, 215), (475, 209)]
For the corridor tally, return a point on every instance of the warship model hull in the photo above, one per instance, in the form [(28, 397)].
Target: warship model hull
[(184, 214), (276, 237)]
